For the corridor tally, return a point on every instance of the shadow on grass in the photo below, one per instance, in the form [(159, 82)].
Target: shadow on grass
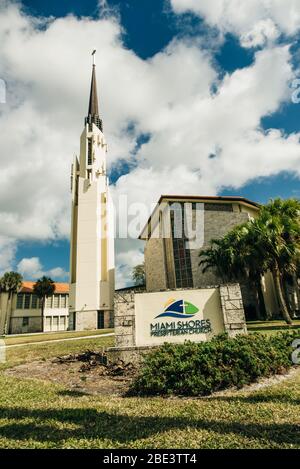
[(56, 426), (72, 393), (258, 398), (286, 328)]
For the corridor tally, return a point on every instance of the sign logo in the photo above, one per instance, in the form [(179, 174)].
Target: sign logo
[(179, 309), (183, 322)]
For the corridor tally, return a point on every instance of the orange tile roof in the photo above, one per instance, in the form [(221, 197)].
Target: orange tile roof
[(27, 287)]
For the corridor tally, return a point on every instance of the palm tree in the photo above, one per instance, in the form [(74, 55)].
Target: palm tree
[(269, 243), (278, 231), (43, 288), (233, 258), (296, 276), (10, 283), (285, 216)]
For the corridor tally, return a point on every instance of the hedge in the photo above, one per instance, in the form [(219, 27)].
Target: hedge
[(198, 369)]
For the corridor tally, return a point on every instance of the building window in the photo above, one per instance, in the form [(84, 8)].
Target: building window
[(49, 302), (56, 301), (72, 321), (183, 267), (34, 302), (48, 323), (25, 322), (62, 322), (63, 301), (20, 297), (182, 257), (90, 151), (55, 320), (27, 301), (100, 320)]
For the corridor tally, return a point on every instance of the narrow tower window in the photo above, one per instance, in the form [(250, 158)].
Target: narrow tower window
[(90, 151), (182, 256)]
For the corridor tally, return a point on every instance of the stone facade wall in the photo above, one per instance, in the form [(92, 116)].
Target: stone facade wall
[(233, 310), (124, 319), (128, 354), (216, 225), (155, 265)]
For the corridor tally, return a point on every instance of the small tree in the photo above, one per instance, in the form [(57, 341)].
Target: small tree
[(10, 283), (138, 274), (43, 288)]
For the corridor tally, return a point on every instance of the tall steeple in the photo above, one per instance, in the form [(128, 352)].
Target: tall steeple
[(91, 301), (93, 111)]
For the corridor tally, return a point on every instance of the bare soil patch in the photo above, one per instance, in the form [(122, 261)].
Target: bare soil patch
[(85, 373)]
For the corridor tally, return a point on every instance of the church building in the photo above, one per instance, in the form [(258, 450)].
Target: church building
[(92, 237), (172, 261)]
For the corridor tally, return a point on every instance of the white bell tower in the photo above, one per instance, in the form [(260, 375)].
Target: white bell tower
[(92, 237)]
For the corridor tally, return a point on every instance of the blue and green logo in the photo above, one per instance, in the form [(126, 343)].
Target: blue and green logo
[(179, 309)]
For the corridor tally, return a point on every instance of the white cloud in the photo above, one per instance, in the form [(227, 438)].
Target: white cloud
[(168, 97), (227, 125), (262, 32), (32, 269), (255, 22), (7, 254), (126, 261)]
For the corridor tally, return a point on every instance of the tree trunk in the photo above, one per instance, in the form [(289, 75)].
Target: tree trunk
[(8, 313), (286, 293), (282, 304), (297, 289), (4, 312), (253, 286), (261, 300), (43, 310)]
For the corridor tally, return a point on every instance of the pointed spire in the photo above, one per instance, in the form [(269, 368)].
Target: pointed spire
[(93, 112)]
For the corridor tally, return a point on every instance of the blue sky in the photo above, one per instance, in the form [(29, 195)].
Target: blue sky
[(148, 27)]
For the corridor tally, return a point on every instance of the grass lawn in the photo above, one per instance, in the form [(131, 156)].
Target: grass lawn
[(19, 355), (271, 327), (36, 414), (32, 338)]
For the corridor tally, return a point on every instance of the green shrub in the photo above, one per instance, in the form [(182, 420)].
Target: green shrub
[(198, 369)]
